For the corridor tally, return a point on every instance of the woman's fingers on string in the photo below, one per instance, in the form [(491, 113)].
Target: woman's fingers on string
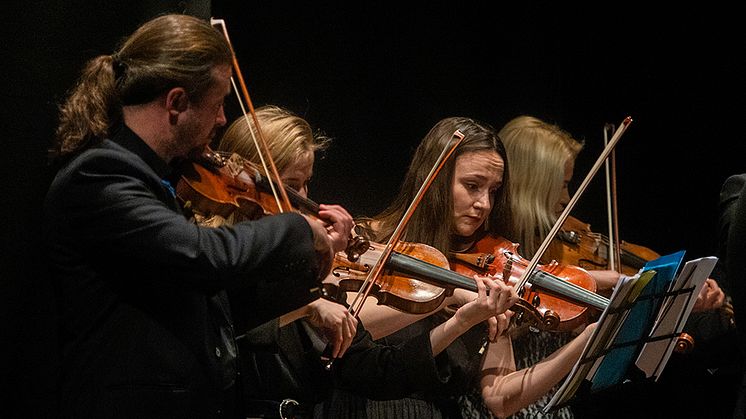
[(481, 287), (506, 295)]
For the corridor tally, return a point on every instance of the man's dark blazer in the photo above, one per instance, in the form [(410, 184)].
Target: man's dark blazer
[(144, 324)]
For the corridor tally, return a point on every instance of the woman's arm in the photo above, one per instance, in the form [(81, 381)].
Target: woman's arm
[(505, 390), (487, 304), (383, 372)]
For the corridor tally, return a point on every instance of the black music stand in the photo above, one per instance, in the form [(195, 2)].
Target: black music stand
[(639, 329)]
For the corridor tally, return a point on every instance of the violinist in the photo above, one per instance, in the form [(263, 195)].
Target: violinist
[(144, 325), (542, 157), (717, 361), (279, 362), (729, 193), (465, 200), (292, 145)]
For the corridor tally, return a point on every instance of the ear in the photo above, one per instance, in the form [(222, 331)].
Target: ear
[(177, 101)]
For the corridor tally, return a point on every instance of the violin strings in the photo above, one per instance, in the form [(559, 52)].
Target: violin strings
[(574, 287)]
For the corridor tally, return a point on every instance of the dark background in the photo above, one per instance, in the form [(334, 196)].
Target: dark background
[(375, 77)]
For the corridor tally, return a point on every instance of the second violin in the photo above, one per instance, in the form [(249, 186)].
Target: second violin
[(560, 294), (577, 245)]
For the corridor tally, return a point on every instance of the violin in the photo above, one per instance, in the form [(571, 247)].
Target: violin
[(226, 184), (560, 295), (212, 183), (418, 277), (577, 245), (411, 281)]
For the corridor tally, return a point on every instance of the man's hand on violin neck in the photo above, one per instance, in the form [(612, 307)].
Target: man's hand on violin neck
[(322, 245), (339, 225)]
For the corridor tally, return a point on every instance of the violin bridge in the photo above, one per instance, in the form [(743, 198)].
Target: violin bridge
[(508, 268)]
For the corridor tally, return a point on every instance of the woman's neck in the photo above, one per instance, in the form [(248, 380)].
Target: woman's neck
[(461, 244)]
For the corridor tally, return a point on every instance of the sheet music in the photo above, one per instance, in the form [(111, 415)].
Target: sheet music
[(608, 326), (617, 317), (634, 310), (640, 318), (673, 314)]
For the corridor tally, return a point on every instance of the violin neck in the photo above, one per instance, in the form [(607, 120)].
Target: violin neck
[(438, 276), (631, 259), (302, 203), (429, 273), (567, 290), (628, 258)]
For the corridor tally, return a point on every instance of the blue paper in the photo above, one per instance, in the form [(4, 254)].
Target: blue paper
[(638, 323)]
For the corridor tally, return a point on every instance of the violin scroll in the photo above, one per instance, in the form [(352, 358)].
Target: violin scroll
[(684, 343), (356, 246)]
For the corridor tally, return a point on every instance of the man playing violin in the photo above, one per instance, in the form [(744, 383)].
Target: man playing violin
[(144, 323), (280, 365)]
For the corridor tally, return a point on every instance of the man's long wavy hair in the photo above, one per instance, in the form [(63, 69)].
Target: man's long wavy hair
[(166, 52)]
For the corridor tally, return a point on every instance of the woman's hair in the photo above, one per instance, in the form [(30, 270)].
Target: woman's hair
[(166, 52), (288, 136), (432, 222), (538, 152)]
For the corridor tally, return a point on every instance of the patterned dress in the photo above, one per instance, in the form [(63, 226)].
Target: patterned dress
[(529, 349)]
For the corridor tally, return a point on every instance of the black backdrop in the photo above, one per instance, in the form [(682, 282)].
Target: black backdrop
[(376, 77)]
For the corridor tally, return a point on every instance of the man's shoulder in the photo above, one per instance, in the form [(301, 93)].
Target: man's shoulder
[(107, 156), (106, 160), (733, 184), (731, 189)]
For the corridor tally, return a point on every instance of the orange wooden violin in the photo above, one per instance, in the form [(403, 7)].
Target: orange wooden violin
[(577, 245), (560, 295), (226, 184), (417, 278)]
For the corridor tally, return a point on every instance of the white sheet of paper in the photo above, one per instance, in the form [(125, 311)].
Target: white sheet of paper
[(674, 312)]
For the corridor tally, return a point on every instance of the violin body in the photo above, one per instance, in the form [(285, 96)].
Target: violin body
[(577, 245), (227, 185), (548, 309), (396, 286), (213, 189)]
